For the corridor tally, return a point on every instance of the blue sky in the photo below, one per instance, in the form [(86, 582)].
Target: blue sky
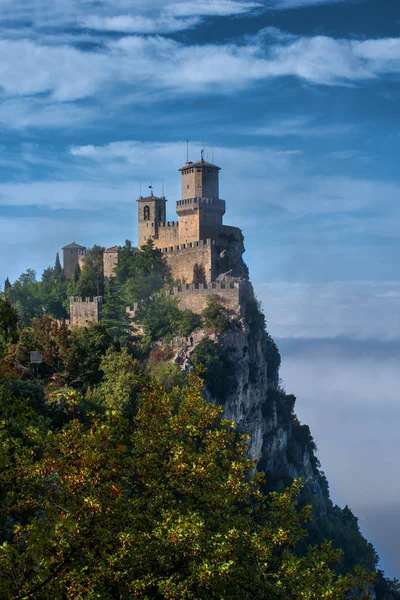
[(299, 102)]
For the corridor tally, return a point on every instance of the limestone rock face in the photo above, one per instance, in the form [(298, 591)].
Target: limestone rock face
[(231, 249), (253, 405)]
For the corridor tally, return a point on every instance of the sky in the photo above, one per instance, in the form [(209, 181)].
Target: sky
[(299, 102)]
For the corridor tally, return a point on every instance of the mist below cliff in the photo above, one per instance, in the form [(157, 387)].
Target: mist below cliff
[(348, 393)]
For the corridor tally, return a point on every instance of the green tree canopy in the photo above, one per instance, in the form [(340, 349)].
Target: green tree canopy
[(141, 272), (165, 507), (91, 280)]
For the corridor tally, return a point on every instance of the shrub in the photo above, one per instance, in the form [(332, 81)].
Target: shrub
[(215, 315), (219, 374)]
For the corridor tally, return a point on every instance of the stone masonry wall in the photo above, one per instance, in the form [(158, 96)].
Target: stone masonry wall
[(168, 234), (110, 261), (194, 297), (182, 259), (85, 310)]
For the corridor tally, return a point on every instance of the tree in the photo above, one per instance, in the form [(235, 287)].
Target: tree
[(7, 285), (57, 267), (25, 295), (142, 272), (77, 273), (123, 379), (215, 314), (8, 333), (8, 321), (199, 273), (161, 319), (165, 509), (114, 315), (91, 281)]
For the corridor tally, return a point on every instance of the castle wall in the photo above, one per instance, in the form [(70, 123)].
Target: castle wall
[(181, 259), (85, 310), (110, 261), (189, 230), (194, 297), (167, 234)]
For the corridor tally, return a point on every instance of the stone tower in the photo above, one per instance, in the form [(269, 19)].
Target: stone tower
[(73, 254), (200, 211), (110, 261), (151, 213)]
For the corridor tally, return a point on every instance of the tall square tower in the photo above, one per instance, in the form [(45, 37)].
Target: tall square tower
[(200, 210)]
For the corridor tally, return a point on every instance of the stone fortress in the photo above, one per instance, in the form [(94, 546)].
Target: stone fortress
[(204, 255)]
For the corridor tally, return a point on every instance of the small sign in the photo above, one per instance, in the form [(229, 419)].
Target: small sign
[(35, 358)]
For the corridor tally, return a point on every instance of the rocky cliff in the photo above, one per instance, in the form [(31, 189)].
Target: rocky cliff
[(243, 376), (254, 400)]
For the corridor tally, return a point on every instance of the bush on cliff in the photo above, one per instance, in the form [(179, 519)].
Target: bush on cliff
[(215, 315), (219, 375)]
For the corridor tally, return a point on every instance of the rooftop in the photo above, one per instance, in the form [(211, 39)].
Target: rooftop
[(150, 198), (74, 245), (199, 164)]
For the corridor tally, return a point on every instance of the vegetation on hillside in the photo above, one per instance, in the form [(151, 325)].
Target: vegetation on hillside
[(131, 491), (117, 480)]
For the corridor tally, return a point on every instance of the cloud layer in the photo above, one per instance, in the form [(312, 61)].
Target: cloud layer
[(348, 395), (158, 66), (361, 310)]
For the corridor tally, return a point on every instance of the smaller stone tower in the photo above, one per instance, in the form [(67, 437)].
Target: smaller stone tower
[(73, 254), (151, 213), (110, 261)]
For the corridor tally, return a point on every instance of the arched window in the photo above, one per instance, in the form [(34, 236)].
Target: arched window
[(146, 213)]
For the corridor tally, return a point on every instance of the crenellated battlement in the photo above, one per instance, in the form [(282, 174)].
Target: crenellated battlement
[(214, 201), (189, 246), (163, 224), (194, 296), (89, 300)]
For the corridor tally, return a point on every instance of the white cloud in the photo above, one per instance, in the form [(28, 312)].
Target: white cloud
[(154, 68), (19, 113), (139, 16), (288, 4), (141, 24), (66, 73), (297, 126), (220, 8)]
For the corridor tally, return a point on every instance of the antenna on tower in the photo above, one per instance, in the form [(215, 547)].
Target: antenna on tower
[(187, 151)]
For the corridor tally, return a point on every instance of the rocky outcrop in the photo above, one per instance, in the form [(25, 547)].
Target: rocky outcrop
[(255, 402)]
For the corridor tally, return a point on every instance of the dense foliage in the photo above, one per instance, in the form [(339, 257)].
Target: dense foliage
[(151, 496)]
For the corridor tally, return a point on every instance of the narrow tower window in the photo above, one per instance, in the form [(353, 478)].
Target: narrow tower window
[(146, 213)]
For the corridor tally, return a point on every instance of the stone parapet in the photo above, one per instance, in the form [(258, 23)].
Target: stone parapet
[(194, 296), (189, 246), (85, 310)]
